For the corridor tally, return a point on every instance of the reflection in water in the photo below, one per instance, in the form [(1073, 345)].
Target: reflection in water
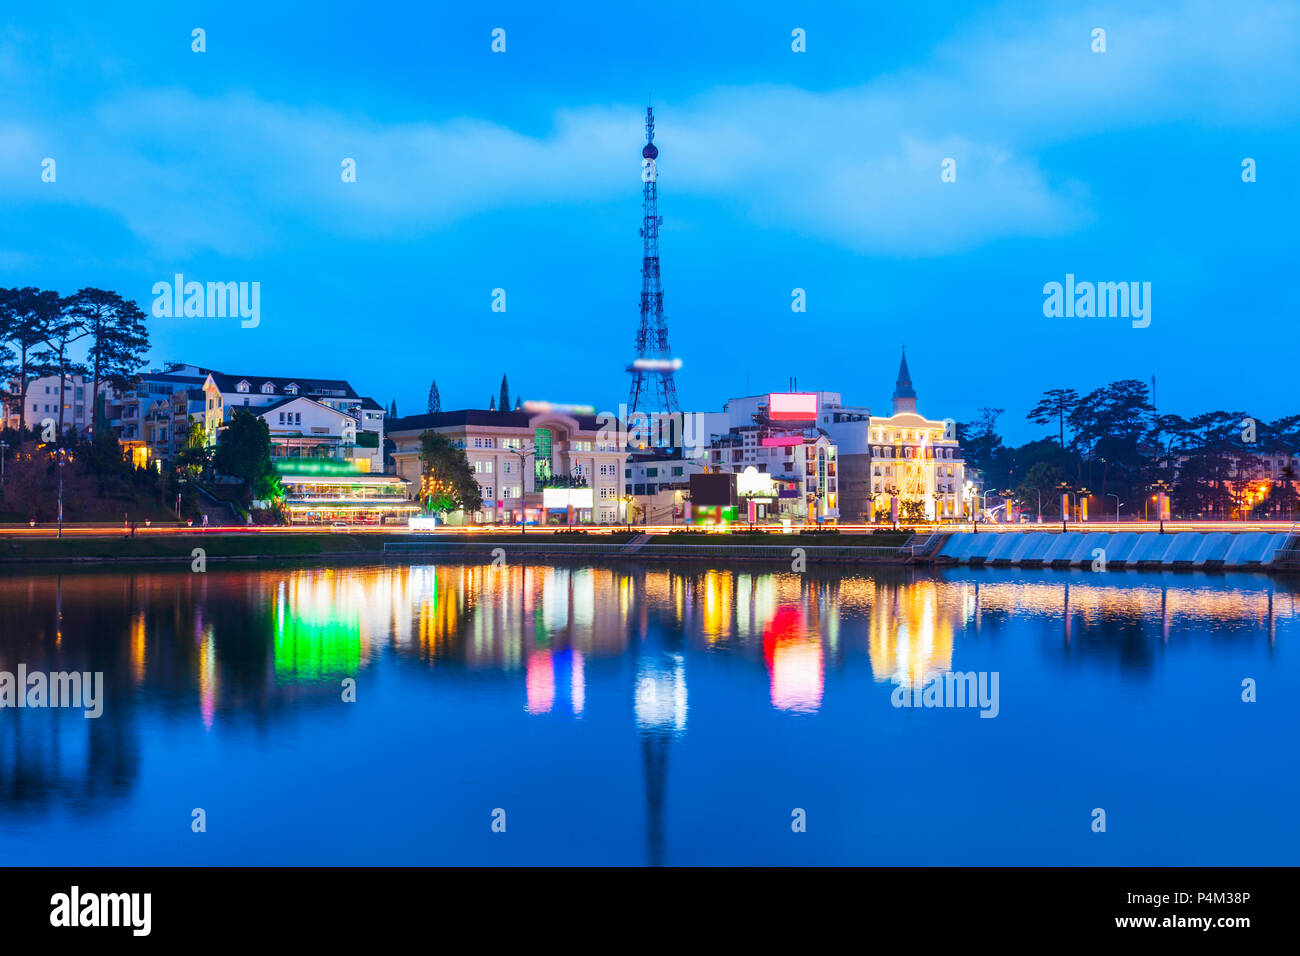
[(251, 647)]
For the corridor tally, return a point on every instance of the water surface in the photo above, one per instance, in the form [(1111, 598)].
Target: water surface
[(634, 715)]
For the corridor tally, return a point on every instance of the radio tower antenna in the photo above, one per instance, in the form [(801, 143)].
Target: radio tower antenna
[(653, 389)]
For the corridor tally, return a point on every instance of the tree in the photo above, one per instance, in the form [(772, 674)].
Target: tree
[(23, 315), (435, 400), (505, 395), (392, 409), (193, 457), (492, 404), (1055, 405), (447, 481), (1040, 486), (119, 339), (62, 328), (244, 452), (980, 441)]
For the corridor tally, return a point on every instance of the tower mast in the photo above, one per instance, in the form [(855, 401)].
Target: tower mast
[(653, 389)]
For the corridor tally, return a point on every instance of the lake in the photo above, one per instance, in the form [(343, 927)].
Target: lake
[(650, 714)]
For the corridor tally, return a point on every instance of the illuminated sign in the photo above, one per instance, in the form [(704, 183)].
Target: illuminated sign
[(306, 466), (792, 406), (565, 497), (752, 483), (781, 441)]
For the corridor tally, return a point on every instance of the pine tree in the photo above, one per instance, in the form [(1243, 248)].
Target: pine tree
[(435, 400), (492, 404), (392, 409), (505, 394)]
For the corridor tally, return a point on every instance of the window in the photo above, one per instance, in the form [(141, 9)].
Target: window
[(282, 418), (291, 390), (242, 387), (542, 447), (652, 472), (677, 471), (297, 418), (268, 388), (487, 493)]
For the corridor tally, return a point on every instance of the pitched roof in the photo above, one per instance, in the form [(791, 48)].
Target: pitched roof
[(477, 416), (307, 386), (289, 400)]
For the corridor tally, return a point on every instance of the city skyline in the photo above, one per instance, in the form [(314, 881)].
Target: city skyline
[(782, 170)]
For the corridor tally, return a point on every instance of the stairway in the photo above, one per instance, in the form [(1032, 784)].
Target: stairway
[(635, 544)]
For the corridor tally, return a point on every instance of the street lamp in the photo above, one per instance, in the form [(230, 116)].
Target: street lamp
[(1117, 504), (522, 454), (1162, 488), (4, 447), (62, 455)]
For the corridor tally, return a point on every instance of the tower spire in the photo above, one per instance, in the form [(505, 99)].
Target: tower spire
[(904, 394), (653, 389)]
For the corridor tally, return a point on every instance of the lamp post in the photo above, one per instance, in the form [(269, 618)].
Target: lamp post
[(1162, 488), (61, 453), (4, 447), (1117, 504), (522, 454)]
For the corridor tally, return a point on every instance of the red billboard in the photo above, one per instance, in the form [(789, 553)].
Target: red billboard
[(781, 441), (792, 406)]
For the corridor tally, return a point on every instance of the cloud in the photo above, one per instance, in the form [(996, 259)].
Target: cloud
[(859, 166)]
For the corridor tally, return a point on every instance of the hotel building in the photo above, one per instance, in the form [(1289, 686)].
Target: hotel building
[(914, 458), (520, 459)]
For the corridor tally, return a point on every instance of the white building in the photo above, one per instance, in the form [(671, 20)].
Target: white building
[(360, 444), (915, 459), (42, 399)]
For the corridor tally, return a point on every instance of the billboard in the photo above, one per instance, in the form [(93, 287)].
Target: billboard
[(792, 406), (561, 498), (781, 441), (713, 491)]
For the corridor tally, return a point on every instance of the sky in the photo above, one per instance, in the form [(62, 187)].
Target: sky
[(818, 170)]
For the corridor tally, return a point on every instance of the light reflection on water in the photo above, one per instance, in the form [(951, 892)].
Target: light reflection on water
[(630, 650)]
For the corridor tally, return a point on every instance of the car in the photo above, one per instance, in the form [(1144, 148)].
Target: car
[(338, 526)]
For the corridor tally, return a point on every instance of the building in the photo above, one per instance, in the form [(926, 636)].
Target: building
[(359, 444), (42, 402), (533, 466), (141, 413), (777, 435), (915, 459), (659, 486)]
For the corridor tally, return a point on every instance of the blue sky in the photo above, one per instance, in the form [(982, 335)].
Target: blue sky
[(817, 170)]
